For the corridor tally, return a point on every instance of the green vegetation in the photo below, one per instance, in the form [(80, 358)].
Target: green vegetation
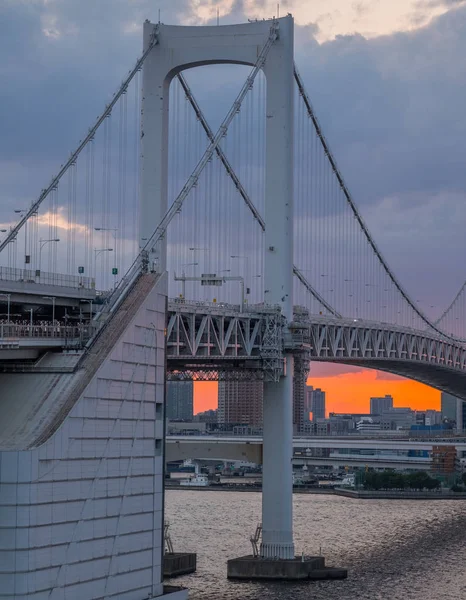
[(391, 480)]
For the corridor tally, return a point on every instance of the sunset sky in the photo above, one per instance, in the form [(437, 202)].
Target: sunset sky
[(347, 392), (388, 82)]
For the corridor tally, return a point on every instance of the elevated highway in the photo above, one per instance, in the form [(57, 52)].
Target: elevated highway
[(338, 451)]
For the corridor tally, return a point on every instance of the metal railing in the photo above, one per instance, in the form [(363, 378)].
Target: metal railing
[(14, 331), (58, 279)]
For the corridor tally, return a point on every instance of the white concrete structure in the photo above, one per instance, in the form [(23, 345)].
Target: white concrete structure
[(180, 48), (81, 466)]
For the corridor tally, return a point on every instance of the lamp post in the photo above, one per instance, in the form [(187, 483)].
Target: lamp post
[(204, 266), (97, 252), (183, 281), (113, 231), (90, 308), (205, 250), (21, 212), (52, 298), (246, 278), (8, 299), (42, 243)]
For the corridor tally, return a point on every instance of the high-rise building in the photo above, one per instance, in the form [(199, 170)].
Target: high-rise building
[(318, 404), (460, 415), (454, 409), (179, 401), (307, 401), (379, 405), (240, 402), (448, 406)]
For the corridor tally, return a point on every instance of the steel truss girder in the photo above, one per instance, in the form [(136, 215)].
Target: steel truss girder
[(205, 339), (203, 374), (331, 341)]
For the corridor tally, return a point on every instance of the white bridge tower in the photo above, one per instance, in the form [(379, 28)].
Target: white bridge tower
[(179, 48)]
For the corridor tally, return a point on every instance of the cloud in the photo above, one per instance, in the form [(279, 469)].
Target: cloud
[(391, 105)]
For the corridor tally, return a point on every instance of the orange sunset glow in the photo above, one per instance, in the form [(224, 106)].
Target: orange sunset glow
[(347, 392)]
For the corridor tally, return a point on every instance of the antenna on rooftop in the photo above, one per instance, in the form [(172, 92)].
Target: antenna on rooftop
[(278, 10), (218, 17)]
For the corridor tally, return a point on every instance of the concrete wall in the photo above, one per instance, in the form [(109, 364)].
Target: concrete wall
[(81, 516)]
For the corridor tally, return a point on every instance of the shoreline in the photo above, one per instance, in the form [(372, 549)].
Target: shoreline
[(346, 493)]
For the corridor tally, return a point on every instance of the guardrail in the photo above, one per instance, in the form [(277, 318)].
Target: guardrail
[(37, 276), (15, 331)]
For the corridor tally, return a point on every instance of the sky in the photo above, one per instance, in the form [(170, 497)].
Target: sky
[(387, 79)]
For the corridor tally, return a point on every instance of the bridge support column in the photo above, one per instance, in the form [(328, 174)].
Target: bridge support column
[(277, 478)]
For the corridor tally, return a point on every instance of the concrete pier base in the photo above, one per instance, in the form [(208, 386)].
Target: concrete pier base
[(179, 563), (312, 567)]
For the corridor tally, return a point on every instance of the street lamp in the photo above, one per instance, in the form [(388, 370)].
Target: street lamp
[(183, 282), (21, 212), (113, 230), (205, 250), (246, 278), (90, 308), (52, 298), (8, 298), (42, 243), (97, 252)]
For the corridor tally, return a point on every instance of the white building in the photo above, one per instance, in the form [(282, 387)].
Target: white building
[(368, 425), (81, 478)]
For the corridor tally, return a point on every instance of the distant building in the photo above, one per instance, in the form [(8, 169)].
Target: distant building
[(208, 416), (179, 401), (381, 404), (432, 417), (317, 404), (186, 428), (460, 415), (448, 406), (397, 418), (307, 401), (444, 460), (240, 402), (453, 409), (368, 425)]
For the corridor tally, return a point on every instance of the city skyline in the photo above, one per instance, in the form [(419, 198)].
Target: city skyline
[(349, 392)]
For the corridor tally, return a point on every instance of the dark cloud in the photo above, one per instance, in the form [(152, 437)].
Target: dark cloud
[(391, 107), (383, 376)]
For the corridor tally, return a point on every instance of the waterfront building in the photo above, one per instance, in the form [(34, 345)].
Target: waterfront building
[(381, 404), (179, 401)]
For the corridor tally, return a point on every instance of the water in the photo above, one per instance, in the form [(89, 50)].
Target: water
[(394, 549)]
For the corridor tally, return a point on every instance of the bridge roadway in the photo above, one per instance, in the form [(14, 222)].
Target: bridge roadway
[(210, 338), (215, 341), (228, 447)]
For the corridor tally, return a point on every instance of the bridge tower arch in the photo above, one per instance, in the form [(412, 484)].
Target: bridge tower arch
[(179, 48)]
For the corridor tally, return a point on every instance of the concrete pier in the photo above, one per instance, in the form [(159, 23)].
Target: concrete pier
[(179, 563), (297, 569)]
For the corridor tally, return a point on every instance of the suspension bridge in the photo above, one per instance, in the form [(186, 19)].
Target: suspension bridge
[(234, 251)]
